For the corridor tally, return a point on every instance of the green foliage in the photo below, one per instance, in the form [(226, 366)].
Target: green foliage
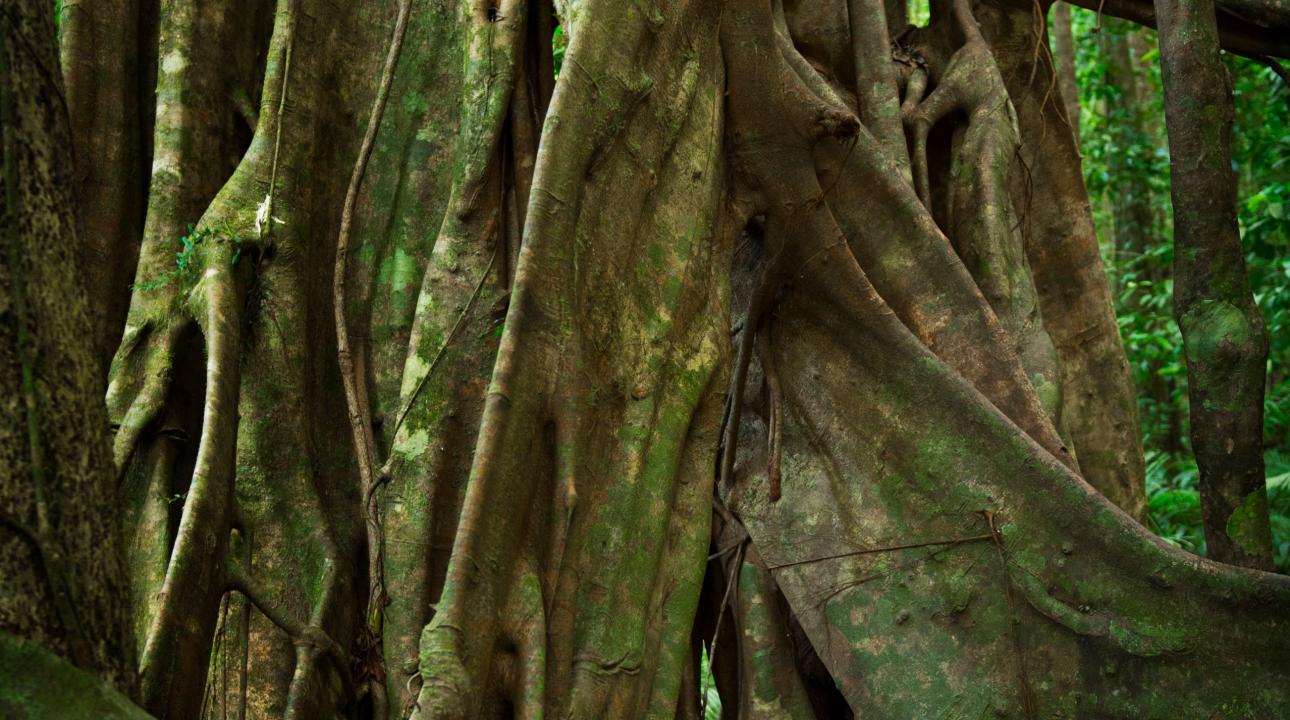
[(185, 258), (559, 43), (711, 699), (1123, 143), (920, 12)]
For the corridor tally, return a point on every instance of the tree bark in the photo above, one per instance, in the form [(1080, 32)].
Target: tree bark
[(1100, 414), (1235, 34), (1138, 225), (1064, 56), (841, 295), (1224, 338), (1135, 225), (61, 580), (107, 75)]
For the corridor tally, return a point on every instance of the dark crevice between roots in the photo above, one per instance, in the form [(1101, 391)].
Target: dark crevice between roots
[(182, 419)]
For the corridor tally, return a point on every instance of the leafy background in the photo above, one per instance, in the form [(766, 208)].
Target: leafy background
[(1113, 134)]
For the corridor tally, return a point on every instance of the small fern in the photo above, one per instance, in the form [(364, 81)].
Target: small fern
[(187, 247)]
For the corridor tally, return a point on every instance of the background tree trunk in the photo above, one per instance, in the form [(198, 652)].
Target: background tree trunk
[(1135, 224), (1225, 341), (108, 54), (1138, 224), (1064, 57)]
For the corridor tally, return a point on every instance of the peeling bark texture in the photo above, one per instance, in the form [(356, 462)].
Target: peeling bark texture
[(61, 580), (1225, 342), (769, 332)]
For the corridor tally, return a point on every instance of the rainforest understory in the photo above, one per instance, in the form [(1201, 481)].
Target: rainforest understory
[(766, 344)]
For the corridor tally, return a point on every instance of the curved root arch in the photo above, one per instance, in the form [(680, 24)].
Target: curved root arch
[(909, 518)]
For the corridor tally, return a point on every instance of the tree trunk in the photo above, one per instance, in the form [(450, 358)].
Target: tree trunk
[(1138, 225), (61, 580), (749, 336), (1224, 338), (1101, 414), (1064, 56), (1135, 225), (108, 56)]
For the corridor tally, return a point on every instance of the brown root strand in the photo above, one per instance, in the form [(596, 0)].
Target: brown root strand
[(355, 385), (302, 634), (775, 422), (757, 305)]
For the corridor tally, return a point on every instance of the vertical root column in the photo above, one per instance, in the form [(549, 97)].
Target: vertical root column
[(173, 667)]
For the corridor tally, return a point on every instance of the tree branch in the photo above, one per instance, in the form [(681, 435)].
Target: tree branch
[(1235, 35)]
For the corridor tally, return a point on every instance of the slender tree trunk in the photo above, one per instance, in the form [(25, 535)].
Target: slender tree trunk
[(1135, 225), (1064, 57), (1226, 344), (1138, 227)]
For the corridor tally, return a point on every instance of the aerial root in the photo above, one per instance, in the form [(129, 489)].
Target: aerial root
[(961, 87), (149, 402), (759, 306), (775, 422), (919, 120), (529, 637), (355, 389), (303, 635), (444, 681), (216, 304), (734, 537), (915, 90)]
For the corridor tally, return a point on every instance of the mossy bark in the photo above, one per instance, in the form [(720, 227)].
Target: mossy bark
[(1225, 341), (858, 284), (35, 683), (61, 580)]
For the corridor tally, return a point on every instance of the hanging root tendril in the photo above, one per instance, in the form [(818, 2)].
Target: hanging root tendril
[(775, 414), (754, 337)]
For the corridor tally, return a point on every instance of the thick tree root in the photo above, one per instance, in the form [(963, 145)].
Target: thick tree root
[(566, 328), (202, 540), (981, 221), (548, 454)]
